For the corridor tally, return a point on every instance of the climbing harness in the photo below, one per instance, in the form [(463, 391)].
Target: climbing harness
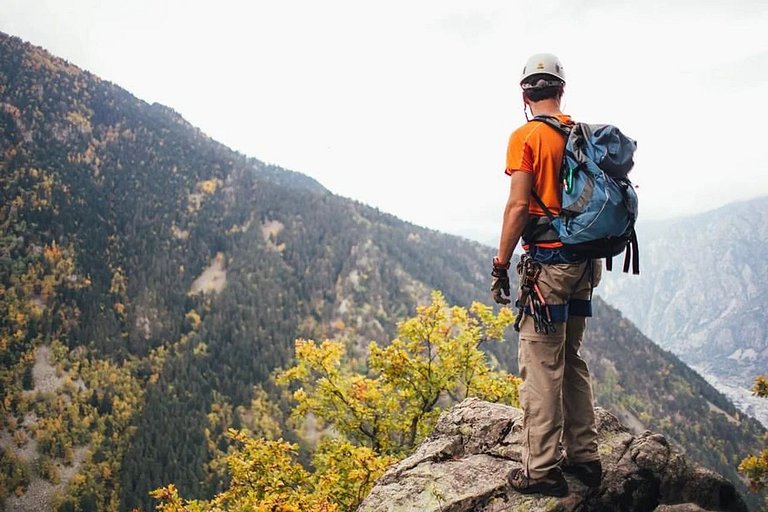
[(531, 299)]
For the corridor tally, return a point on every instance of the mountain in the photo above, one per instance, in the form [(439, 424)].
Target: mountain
[(703, 294), (169, 275), (152, 279)]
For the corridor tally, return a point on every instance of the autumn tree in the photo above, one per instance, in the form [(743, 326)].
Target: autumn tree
[(434, 362), (755, 467), (369, 417)]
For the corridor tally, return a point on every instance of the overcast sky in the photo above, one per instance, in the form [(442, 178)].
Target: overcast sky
[(407, 105)]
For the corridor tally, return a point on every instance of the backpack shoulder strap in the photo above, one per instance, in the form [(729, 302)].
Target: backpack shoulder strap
[(555, 123), (565, 130), (547, 211)]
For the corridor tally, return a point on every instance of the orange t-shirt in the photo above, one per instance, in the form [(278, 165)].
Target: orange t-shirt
[(537, 148)]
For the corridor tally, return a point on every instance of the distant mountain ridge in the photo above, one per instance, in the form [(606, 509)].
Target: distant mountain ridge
[(703, 294), (170, 275)]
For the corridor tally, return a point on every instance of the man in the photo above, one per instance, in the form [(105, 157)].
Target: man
[(554, 298)]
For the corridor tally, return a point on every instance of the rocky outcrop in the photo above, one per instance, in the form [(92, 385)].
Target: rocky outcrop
[(463, 466)]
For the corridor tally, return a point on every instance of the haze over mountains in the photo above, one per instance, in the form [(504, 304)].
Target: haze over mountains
[(703, 295), (162, 277)]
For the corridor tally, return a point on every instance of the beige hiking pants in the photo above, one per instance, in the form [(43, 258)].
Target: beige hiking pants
[(556, 394)]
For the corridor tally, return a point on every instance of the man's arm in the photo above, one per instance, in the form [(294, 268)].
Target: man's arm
[(515, 214)]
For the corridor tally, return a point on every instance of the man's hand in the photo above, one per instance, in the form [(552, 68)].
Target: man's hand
[(500, 282)]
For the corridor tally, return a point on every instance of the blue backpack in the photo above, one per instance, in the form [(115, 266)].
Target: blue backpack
[(599, 204)]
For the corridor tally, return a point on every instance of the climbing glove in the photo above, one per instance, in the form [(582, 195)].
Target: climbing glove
[(500, 282)]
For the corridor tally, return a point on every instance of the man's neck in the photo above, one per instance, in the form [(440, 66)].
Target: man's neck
[(548, 107)]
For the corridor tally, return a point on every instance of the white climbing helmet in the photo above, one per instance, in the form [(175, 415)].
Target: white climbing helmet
[(543, 64)]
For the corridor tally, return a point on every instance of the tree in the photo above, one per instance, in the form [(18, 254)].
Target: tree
[(434, 362), (755, 467), (265, 477), (368, 417)]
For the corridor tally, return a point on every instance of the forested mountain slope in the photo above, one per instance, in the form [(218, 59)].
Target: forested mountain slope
[(185, 264), (164, 276)]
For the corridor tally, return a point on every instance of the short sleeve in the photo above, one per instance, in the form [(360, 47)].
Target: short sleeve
[(519, 154)]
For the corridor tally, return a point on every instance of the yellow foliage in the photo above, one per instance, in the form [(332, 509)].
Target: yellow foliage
[(79, 120), (755, 467), (20, 319), (261, 417), (193, 317), (119, 282), (20, 438), (265, 477), (434, 362), (169, 499), (208, 186), (345, 473), (760, 388), (52, 253), (376, 417)]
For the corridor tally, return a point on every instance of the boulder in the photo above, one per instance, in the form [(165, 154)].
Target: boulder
[(464, 464)]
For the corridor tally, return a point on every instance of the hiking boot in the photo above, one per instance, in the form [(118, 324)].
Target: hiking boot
[(589, 473), (552, 484)]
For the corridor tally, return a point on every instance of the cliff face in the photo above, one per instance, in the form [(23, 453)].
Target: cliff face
[(464, 464)]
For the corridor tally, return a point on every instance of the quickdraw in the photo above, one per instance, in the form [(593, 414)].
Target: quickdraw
[(532, 298)]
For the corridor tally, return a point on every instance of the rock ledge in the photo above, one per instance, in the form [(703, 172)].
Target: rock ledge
[(463, 466)]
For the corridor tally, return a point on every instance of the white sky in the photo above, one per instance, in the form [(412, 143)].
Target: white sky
[(407, 105)]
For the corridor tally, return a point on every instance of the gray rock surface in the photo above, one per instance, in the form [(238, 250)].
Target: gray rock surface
[(463, 466)]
